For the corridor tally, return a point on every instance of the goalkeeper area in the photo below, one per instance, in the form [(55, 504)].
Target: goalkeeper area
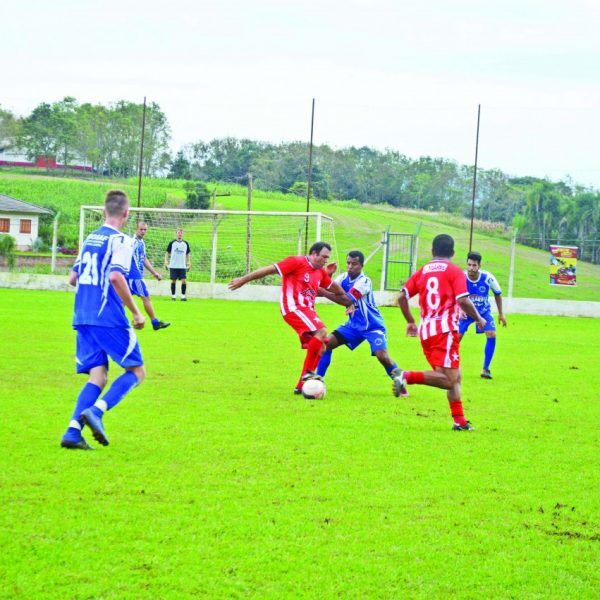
[(223, 244)]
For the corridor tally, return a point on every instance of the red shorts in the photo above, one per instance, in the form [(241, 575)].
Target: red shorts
[(305, 322), (441, 350)]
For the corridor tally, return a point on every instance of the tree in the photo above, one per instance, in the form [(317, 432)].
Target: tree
[(9, 128), (197, 195), (181, 167)]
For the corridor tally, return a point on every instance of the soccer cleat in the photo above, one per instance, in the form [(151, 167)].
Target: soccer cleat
[(183, 299), (72, 444), (89, 418), (399, 386), (486, 374), (173, 297), (160, 325), (311, 375), (466, 427), (297, 391)]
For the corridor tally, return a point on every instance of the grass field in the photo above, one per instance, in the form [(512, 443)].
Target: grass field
[(220, 483), (356, 226)]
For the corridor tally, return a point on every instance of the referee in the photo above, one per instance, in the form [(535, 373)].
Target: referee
[(177, 260)]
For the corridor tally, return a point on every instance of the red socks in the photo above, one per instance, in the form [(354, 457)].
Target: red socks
[(414, 377), (456, 408), (314, 349)]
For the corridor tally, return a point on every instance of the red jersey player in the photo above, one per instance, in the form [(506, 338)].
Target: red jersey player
[(441, 287), (302, 278)]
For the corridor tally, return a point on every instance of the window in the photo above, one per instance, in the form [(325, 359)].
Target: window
[(4, 225), (25, 226)]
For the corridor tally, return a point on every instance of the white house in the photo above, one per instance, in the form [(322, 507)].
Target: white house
[(20, 220)]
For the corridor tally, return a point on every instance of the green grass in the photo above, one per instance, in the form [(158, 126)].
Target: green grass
[(220, 483), (356, 227)]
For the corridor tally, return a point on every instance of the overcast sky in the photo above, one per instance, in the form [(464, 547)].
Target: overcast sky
[(406, 75)]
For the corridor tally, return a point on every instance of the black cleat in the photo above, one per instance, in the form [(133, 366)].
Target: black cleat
[(184, 299), (160, 325), (297, 391), (486, 374), (95, 424), (466, 427), (80, 444)]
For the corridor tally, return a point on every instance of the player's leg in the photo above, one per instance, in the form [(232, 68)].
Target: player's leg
[(332, 343), (183, 288), (490, 345), (122, 346), (92, 360), (156, 323), (454, 399)]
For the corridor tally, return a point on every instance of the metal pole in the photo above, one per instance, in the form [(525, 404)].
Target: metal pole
[(511, 270), (139, 195), (474, 179), (249, 226), (54, 242), (213, 255), (310, 152), (81, 226), (384, 243)]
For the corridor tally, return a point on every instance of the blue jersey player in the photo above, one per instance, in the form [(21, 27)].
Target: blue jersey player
[(364, 322), (102, 327), (137, 285), (479, 284)]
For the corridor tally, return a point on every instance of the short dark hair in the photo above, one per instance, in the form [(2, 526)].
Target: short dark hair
[(318, 246), (116, 203), (358, 255), (443, 246), (474, 256)]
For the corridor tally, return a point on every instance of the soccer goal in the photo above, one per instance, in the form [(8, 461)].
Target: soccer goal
[(223, 243)]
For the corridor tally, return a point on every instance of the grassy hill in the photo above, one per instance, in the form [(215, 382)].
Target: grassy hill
[(356, 226)]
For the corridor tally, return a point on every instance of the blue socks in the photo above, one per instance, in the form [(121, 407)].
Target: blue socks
[(324, 363), (88, 395), (118, 390), (490, 346), (389, 370), (154, 321)]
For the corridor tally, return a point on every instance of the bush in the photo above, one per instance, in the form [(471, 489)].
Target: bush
[(40, 245), (7, 249), (197, 195)]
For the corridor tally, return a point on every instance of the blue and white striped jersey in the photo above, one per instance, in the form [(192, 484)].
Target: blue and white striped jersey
[(96, 301), (137, 262), (479, 290), (366, 317)]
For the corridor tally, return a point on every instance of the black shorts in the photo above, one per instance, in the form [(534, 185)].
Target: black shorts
[(177, 274)]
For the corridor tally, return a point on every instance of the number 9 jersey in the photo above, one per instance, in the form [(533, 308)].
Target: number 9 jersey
[(104, 251), (439, 285)]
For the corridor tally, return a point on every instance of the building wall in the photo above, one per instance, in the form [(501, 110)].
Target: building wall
[(24, 240)]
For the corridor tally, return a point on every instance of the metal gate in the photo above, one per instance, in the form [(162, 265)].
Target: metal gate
[(400, 259)]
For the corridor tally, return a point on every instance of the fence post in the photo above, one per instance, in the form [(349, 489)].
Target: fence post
[(81, 226), (249, 226), (318, 226), (511, 270), (54, 243), (384, 243), (213, 256)]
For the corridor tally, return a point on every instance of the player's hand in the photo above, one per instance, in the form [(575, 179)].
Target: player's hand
[(462, 315), (412, 330), (236, 284), (350, 310), (158, 276), (331, 268), (502, 320), (481, 323), (138, 321)]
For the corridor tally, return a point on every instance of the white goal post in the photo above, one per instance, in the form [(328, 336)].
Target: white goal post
[(223, 243)]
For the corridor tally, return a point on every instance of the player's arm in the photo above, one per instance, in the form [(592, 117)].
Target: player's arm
[(151, 268), (411, 327), (168, 255), (188, 257), (501, 317), (469, 309), (336, 294), (73, 275), (238, 282)]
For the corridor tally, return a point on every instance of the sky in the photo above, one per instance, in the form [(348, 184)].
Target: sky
[(403, 75)]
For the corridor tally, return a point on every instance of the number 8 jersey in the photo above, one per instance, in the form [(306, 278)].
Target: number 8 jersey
[(439, 285), (96, 301)]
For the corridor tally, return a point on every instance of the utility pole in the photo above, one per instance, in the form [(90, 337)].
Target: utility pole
[(249, 226), (474, 178), (139, 196), (310, 153)]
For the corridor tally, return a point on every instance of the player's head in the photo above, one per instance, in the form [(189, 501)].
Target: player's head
[(141, 230), (443, 246), (355, 261), (179, 234), (473, 263), (319, 254), (116, 205)]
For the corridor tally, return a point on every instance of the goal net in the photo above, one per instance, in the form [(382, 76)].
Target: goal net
[(223, 244)]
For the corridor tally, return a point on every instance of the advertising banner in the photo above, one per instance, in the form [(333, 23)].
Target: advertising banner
[(563, 265)]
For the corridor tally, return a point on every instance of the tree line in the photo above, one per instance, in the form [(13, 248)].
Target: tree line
[(106, 138)]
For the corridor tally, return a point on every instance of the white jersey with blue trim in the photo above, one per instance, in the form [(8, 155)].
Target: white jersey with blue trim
[(137, 262), (366, 317), (104, 251), (479, 290)]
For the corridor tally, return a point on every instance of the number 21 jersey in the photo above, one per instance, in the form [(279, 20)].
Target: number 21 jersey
[(104, 251), (439, 284)]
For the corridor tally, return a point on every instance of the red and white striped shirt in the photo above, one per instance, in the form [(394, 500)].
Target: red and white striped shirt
[(439, 284), (301, 281)]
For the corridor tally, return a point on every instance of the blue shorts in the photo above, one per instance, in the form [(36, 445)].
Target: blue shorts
[(463, 324), (96, 344), (353, 337), (138, 288)]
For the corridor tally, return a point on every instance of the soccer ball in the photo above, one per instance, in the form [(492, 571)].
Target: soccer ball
[(313, 389)]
